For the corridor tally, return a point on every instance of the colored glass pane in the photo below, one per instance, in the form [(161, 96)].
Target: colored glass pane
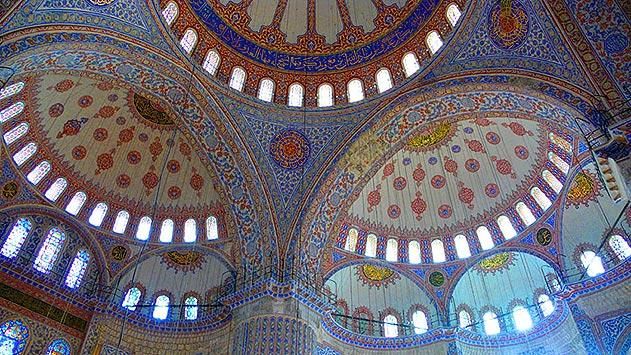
[(11, 111), (98, 214), (296, 95), (58, 347), (144, 228), (384, 80), (56, 189), (132, 297), (13, 337), (212, 231), (75, 204), (211, 62), (189, 40), (266, 90), (191, 308), (25, 153), (15, 133), (237, 79), (20, 230), (170, 12), (325, 95), (11, 90), (161, 307), (120, 224), (77, 269), (49, 251)]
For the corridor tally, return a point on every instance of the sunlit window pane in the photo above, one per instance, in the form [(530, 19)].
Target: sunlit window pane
[(11, 111), (170, 12), (561, 142), (619, 246), (120, 224), (16, 238), (552, 180), (438, 251), (189, 40), (414, 250), (355, 90), (351, 240), (453, 14), (37, 174), (390, 326), (542, 200), (190, 231), (296, 95), (371, 246), (325, 95), (25, 153), (491, 323), (77, 269), (462, 246), (266, 90), (560, 163), (464, 319), (15, 133), (161, 307), (522, 319), (212, 230), (546, 305), (11, 90), (166, 231), (384, 80), (237, 79), (525, 213), (49, 251), (410, 64), (58, 347), (392, 250), (74, 206), (132, 297), (98, 214), (592, 263), (419, 320), (484, 236), (211, 62), (144, 228), (506, 227), (191, 308), (56, 189), (434, 42)]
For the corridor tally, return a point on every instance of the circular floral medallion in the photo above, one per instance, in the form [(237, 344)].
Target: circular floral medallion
[(472, 165), (544, 236), (56, 110), (134, 157), (444, 211), (150, 180), (197, 182), (126, 135), (64, 85), (174, 192), (493, 138), (508, 25), (10, 190), (119, 252), (436, 278), (100, 134), (123, 181), (290, 149), (173, 166), (399, 183), (438, 181), (79, 152), (85, 101), (492, 190), (394, 211), (521, 152)]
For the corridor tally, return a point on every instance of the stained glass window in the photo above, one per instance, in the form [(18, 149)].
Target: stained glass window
[(296, 95), (77, 269), (49, 251), (464, 319), (434, 42), (525, 213), (132, 297), (75, 204), (15, 133), (325, 95), (620, 247), (355, 90), (189, 40), (98, 214), (120, 224), (266, 90), (384, 80), (25, 153), (11, 90), (20, 230), (491, 323), (211, 62), (506, 227), (212, 231), (560, 163), (13, 337), (438, 251), (414, 250), (237, 79), (542, 200), (37, 174), (546, 305), (371, 246), (190, 231), (161, 307), (410, 64), (166, 231), (56, 189), (58, 347), (522, 319), (552, 180), (462, 246), (170, 12), (351, 240), (390, 326), (11, 111), (190, 312), (561, 142), (392, 252), (419, 320), (592, 263), (144, 228), (453, 14), (484, 236)]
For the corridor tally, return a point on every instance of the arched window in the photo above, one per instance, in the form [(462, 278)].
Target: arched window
[(13, 337), (120, 224), (37, 174), (212, 231), (552, 180), (325, 95), (189, 40), (20, 230), (49, 251), (592, 263), (419, 321), (351, 240), (521, 318), (166, 231), (296, 95), (453, 14), (560, 163), (438, 251), (619, 246), (410, 64), (506, 227), (211, 62), (75, 204), (546, 305), (11, 111), (464, 319), (462, 246), (190, 312), (161, 307), (414, 250), (132, 297), (144, 228), (77, 269), (266, 90), (56, 189), (15, 133), (190, 231), (560, 141), (11, 90), (237, 79), (98, 214), (25, 153), (542, 200), (525, 213), (491, 323), (392, 252), (170, 12), (355, 90), (484, 236), (371, 246), (434, 42), (390, 326), (384, 80), (58, 347)]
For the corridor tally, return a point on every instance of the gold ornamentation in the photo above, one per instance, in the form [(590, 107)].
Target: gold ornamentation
[(496, 262), (119, 252), (10, 190), (101, 2), (187, 258), (151, 111), (376, 273), (430, 137), (583, 189)]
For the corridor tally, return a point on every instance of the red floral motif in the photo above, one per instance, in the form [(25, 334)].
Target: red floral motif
[(465, 195), (126, 135), (492, 190), (79, 152), (150, 180), (444, 211), (451, 166), (71, 128), (56, 110), (504, 167), (521, 152), (105, 86), (419, 174), (394, 211), (517, 129), (388, 170), (374, 198), (123, 181), (104, 161), (143, 137), (418, 205), (174, 192), (475, 145), (85, 101), (107, 111), (100, 134), (399, 183), (134, 157), (197, 181), (64, 85), (173, 166), (481, 121), (155, 149), (185, 149), (493, 138), (472, 165), (438, 181)]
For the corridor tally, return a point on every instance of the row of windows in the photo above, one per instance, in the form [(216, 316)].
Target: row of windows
[(593, 263), (161, 305), (14, 336), (296, 91), (48, 252)]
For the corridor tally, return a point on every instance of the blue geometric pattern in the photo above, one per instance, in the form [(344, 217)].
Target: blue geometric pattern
[(127, 11), (612, 328)]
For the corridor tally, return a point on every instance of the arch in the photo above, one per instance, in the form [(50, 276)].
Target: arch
[(325, 95), (351, 240), (453, 14), (14, 336), (76, 203), (506, 227), (355, 90), (525, 214), (190, 231), (170, 12), (592, 263), (56, 189), (77, 269), (410, 64), (464, 319), (491, 323), (619, 246), (212, 231), (11, 90), (132, 298), (552, 181), (15, 133), (392, 250), (166, 231), (144, 228), (384, 80), (545, 304), (521, 318), (414, 252), (18, 234), (98, 214), (189, 40), (37, 174), (484, 236), (542, 200), (11, 111), (438, 251), (190, 310), (266, 90), (120, 224), (237, 78), (296, 94), (50, 250), (434, 42), (462, 246), (58, 347), (212, 62), (371, 246), (390, 326), (419, 321), (161, 307), (25, 153)]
